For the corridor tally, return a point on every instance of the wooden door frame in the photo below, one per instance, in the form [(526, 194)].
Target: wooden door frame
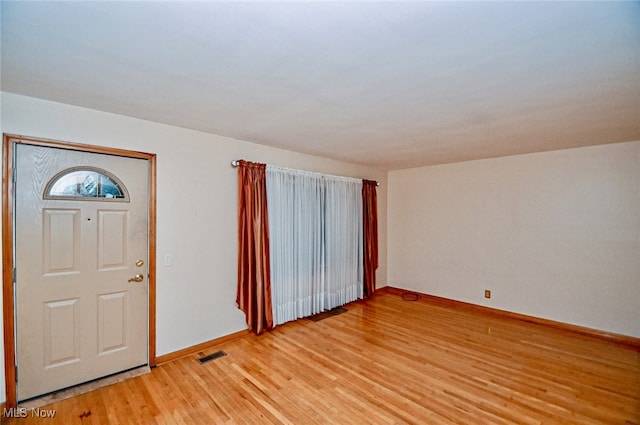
[(8, 308)]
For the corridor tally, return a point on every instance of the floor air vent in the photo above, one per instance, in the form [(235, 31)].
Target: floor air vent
[(213, 356), (328, 313)]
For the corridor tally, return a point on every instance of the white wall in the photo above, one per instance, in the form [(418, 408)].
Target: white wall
[(554, 235), (197, 207)]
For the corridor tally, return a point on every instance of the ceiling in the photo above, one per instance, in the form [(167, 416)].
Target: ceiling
[(388, 84)]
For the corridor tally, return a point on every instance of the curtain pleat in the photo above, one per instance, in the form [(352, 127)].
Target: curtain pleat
[(254, 288), (370, 220)]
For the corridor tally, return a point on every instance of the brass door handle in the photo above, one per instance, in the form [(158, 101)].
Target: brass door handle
[(137, 278)]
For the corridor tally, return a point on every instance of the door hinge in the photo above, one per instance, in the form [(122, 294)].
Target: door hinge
[(15, 175), (16, 373), (14, 275)]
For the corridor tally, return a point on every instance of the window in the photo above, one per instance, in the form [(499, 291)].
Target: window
[(86, 183)]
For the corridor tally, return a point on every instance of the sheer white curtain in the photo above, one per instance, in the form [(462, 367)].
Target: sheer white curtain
[(295, 201), (343, 240), (315, 228)]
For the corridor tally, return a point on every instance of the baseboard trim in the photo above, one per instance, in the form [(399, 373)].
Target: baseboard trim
[(628, 341), (200, 347)]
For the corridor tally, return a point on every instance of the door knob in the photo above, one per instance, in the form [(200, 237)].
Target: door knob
[(137, 278)]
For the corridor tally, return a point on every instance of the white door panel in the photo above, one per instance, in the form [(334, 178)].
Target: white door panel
[(78, 317)]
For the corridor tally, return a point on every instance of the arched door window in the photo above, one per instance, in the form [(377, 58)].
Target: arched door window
[(86, 183)]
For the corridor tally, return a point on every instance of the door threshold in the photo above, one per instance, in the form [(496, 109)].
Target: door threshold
[(79, 389)]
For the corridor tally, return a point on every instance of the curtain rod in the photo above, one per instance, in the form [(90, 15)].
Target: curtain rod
[(236, 162)]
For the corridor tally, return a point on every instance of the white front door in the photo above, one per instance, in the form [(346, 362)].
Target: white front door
[(81, 258)]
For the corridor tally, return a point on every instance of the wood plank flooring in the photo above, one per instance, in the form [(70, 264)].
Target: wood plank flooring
[(385, 361)]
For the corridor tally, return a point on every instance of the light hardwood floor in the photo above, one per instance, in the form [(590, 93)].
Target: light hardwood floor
[(385, 361)]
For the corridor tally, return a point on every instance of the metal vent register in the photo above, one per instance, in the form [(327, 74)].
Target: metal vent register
[(212, 356)]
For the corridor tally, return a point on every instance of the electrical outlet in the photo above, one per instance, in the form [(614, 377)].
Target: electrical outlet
[(487, 293)]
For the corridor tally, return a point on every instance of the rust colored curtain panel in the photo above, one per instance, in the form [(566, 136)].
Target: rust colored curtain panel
[(254, 280), (370, 229)]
